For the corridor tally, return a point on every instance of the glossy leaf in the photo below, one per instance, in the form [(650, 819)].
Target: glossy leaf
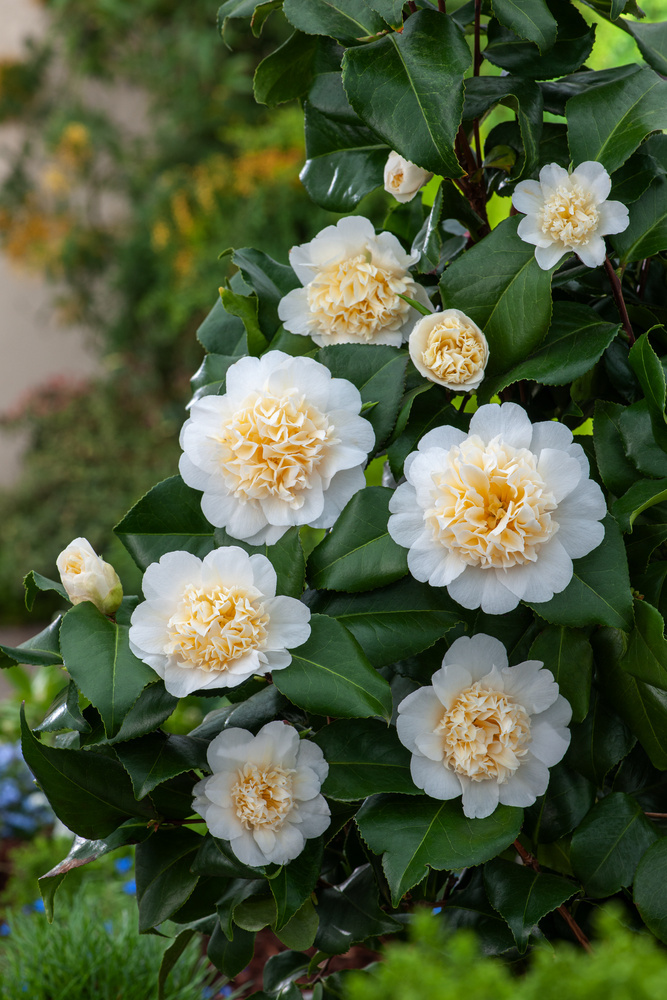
[(523, 896), (617, 471), (89, 792), (414, 833), (358, 553), (231, 957), (43, 650), (97, 655), (166, 519), (222, 333), (598, 743), (35, 584), (270, 280), (533, 20), (391, 82), (155, 758), (568, 655), (647, 233), (576, 340), (499, 284), (286, 557), (346, 20), (216, 859), (64, 712), (573, 46), (609, 843), (330, 675), (364, 757), (393, 622), (646, 655), (350, 913), (246, 308), (651, 40), (286, 73), (649, 889), (211, 376), (523, 97), (164, 879), (378, 371), (251, 713), (599, 592), (609, 123), (568, 798), (643, 494), (153, 707), (295, 882)]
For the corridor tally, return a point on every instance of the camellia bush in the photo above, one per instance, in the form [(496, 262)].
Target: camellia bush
[(416, 548)]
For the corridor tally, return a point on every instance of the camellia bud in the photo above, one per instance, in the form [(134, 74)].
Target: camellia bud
[(402, 178), (86, 577), (448, 348)]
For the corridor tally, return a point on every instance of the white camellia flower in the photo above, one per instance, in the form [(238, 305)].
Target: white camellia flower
[(87, 577), (497, 515), (264, 793), (448, 348), (214, 622), (569, 212), (285, 445), (402, 178), (352, 281), (484, 730)]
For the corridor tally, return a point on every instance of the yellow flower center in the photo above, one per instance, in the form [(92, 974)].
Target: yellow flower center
[(356, 298), (396, 178), (262, 796), (272, 446), (484, 734), (570, 216), (490, 506), (74, 564), (212, 627), (454, 351)]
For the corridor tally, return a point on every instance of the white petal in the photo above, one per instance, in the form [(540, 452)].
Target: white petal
[(449, 681), (148, 629), (229, 566), (289, 843), (482, 588), (538, 581), (593, 176), (480, 798), (442, 437), (530, 231), (289, 622), (614, 218), (168, 578), (264, 575), (560, 472), (550, 434), (246, 850), (340, 491), (437, 780), (434, 564), (528, 782), (579, 537), (548, 744), (593, 254), (551, 177), (528, 197), (507, 420), (294, 312), (531, 685), (419, 712), (315, 817), (477, 653), (548, 257), (310, 755)]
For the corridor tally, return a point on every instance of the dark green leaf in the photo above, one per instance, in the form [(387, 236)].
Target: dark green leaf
[(170, 958), (568, 798), (608, 845), (642, 494), (329, 675), (617, 471), (638, 430), (251, 713), (643, 542), (609, 123), (647, 233), (346, 20), (97, 655), (646, 656), (391, 82), (573, 46), (222, 333), (238, 892), (649, 889), (500, 285), (599, 592), (469, 908), (246, 308), (576, 339), (599, 743), (391, 11), (64, 712), (82, 852), (364, 757), (153, 707), (215, 858), (43, 650), (231, 957), (156, 757), (378, 371), (89, 792), (569, 657), (358, 553), (648, 369), (294, 883), (211, 376), (350, 913), (531, 20), (523, 896), (393, 622), (415, 833), (287, 72), (164, 879), (270, 280), (523, 97), (651, 40), (35, 583), (166, 519), (282, 969), (429, 409), (300, 931)]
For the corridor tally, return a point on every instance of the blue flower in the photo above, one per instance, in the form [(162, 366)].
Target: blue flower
[(130, 887), (5, 929), (123, 865), (38, 906)]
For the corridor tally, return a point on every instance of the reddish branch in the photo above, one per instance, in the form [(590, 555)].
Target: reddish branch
[(617, 292), (531, 862), (477, 62), (442, 7)]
